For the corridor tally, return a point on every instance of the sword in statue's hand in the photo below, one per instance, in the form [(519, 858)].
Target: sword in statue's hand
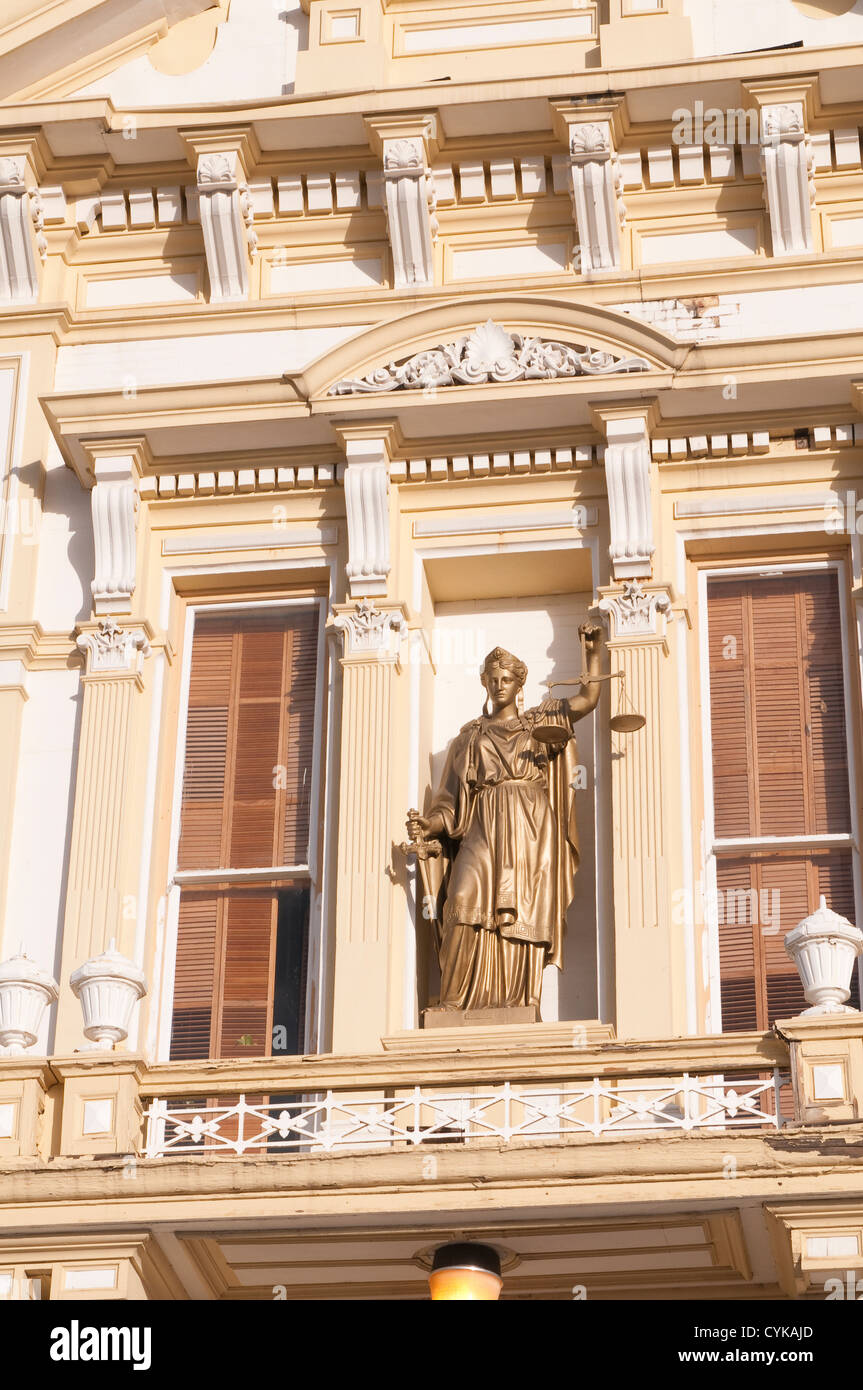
[(423, 850)]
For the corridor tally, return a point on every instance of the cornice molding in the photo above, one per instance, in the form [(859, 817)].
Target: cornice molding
[(36, 649)]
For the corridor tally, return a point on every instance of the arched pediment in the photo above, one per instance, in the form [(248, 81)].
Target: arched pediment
[(479, 340)]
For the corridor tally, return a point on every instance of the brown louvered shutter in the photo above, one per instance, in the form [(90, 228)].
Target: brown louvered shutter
[(246, 801), (245, 1025), (779, 769), (195, 975)]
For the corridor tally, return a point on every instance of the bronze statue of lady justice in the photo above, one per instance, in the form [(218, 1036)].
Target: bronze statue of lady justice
[(498, 848)]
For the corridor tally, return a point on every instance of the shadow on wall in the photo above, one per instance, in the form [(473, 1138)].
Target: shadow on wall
[(298, 20), (67, 559)]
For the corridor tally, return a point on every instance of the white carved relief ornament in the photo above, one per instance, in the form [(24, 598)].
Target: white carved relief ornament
[(634, 611), (489, 354), (403, 156), (783, 122), (217, 169), (367, 628), (37, 213), (12, 174), (587, 141), (113, 648)]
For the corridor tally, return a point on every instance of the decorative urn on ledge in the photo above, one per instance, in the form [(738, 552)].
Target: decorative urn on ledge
[(824, 947), (25, 993), (108, 987)]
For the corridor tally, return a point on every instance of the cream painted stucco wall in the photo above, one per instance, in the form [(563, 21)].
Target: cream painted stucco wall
[(734, 26)]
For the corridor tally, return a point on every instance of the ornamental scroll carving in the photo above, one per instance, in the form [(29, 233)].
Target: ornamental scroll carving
[(634, 611), (19, 210), (489, 354), (369, 629), (111, 649)]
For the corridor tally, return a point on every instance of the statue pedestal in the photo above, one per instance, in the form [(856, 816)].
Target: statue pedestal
[(446, 1039), (479, 1018)]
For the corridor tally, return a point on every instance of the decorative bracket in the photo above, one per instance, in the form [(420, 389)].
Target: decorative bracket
[(20, 212), (227, 219), (787, 165), (367, 486), (116, 468), (409, 196), (595, 183), (628, 465)]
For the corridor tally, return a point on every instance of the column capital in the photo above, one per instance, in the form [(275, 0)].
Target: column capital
[(370, 632), (113, 651), (634, 611)]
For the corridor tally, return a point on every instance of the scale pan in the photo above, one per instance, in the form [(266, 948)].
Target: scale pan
[(552, 735), (626, 723)]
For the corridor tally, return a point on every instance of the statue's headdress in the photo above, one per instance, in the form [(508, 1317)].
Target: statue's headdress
[(499, 656)]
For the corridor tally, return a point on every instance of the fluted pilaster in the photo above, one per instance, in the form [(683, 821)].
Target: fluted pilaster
[(642, 896), (98, 882), (372, 640)]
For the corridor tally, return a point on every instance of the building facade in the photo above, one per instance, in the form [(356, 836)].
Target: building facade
[(344, 342)]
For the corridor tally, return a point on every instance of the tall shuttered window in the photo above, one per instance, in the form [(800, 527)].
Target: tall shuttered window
[(780, 774), (244, 851)]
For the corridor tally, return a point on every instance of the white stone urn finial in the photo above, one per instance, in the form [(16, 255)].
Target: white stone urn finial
[(108, 987), (25, 993), (824, 947)]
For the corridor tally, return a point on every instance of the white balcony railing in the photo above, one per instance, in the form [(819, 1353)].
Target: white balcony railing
[(597, 1107)]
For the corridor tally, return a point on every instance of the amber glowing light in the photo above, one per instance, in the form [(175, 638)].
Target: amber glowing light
[(464, 1272)]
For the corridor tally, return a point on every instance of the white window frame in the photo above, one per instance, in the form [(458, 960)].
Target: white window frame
[(311, 872), (715, 848)]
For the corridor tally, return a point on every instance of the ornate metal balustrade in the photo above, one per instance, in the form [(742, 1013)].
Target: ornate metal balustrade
[(377, 1108)]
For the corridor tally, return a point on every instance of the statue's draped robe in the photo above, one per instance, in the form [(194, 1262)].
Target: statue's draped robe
[(505, 878)]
